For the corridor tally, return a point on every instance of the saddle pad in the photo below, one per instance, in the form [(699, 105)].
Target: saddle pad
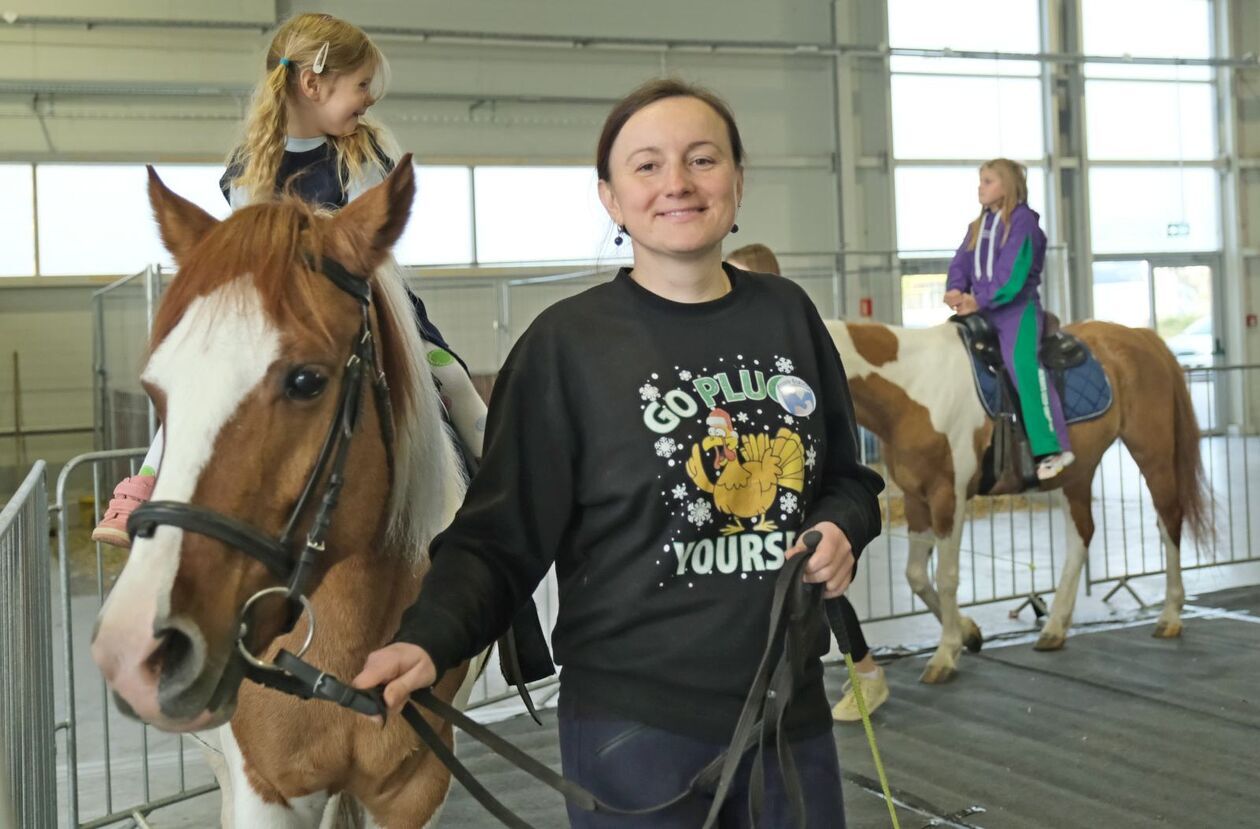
[(1084, 389)]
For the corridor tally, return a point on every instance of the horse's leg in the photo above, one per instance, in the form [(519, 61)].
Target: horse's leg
[(1161, 480), (248, 807), (1168, 626), (944, 663), (1155, 455), (1079, 520), (919, 524)]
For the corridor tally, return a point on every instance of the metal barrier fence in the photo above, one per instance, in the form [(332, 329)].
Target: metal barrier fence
[(122, 316), (1226, 401), (1012, 545), (28, 786), (114, 769)]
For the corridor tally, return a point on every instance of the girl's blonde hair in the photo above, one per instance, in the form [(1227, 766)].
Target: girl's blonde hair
[(300, 40), (1014, 178)]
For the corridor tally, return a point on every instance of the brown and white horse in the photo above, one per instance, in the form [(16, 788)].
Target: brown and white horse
[(913, 388), (248, 350)]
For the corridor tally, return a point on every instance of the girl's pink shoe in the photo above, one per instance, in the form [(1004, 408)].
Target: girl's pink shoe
[(129, 494)]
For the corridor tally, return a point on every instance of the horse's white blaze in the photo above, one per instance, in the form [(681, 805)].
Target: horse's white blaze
[(206, 366)]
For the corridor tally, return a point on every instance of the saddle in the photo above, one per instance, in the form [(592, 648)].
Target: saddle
[(1008, 465), (1059, 349)]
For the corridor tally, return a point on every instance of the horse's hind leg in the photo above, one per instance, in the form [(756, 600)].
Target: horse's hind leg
[(1168, 626), (1155, 459), (1079, 520)]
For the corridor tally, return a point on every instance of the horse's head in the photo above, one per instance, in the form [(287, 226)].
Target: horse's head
[(249, 366)]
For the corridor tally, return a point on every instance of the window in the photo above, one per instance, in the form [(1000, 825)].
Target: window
[(964, 25), (199, 183), (1153, 209), (96, 218), (923, 300), (17, 221), (946, 109), (1144, 120), (440, 229), (1175, 300), (1122, 292), (540, 214), (935, 204), (1147, 28), (980, 117)]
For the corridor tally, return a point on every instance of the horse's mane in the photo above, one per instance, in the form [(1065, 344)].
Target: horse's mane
[(267, 244)]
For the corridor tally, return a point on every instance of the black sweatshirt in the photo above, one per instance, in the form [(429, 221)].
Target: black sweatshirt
[(664, 456)]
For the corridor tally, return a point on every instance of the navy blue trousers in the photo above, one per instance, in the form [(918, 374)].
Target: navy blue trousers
[(631, 765)]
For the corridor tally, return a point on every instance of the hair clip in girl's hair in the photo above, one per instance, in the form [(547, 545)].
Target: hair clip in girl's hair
[(284, 61), (321, 57)]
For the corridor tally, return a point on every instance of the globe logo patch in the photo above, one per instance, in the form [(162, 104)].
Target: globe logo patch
[(796, 397)]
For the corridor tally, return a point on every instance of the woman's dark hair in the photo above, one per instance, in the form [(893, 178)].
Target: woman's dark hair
[(650, 93)]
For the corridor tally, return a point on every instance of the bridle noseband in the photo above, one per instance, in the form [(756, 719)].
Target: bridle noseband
[(277, 554)]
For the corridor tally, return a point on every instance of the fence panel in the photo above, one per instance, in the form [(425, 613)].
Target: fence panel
[(1127, 543), (122, 316), (26, 701), (114, 769)]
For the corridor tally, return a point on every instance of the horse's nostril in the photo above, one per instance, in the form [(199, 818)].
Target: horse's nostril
[(174, 650)]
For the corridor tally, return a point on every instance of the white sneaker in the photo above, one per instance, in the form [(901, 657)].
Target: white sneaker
[(1051, 466), (874, 694)]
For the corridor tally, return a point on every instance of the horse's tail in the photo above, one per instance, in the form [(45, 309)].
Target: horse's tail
[(1193, 492)]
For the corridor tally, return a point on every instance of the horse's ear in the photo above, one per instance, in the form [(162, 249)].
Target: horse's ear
[(373, 222), (181, 223)]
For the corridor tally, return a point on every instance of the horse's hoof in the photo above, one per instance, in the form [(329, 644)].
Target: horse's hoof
[(1050, 642), (1167, 630), (975, 639), (936, 675)]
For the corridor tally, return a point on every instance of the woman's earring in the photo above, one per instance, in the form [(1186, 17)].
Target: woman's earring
[(620, 230), (734, 228)]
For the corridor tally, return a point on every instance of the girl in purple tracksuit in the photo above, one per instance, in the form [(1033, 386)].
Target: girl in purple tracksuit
[(996, 272)]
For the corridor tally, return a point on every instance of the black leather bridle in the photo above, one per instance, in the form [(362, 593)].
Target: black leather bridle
[(277, 553)]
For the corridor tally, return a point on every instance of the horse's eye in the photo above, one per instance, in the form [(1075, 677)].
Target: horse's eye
[(304, 384)]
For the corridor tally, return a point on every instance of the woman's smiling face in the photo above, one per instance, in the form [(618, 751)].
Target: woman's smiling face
[(673, 180)]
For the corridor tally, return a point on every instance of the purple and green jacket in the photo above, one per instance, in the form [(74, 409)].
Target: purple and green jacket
[(1004, 269)]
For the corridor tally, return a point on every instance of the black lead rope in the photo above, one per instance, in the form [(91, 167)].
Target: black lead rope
[(793, 606)]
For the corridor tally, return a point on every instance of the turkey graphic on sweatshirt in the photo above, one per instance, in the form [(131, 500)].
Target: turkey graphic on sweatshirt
[(740, 449), (750, 470)]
